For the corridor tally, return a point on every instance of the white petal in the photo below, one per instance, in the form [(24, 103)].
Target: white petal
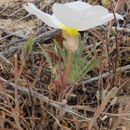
[(79, 19), (109, 17), (78, 5), (118, 16), (46, 18)]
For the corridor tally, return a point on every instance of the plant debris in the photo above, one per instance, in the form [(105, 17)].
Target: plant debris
[(29, 96)]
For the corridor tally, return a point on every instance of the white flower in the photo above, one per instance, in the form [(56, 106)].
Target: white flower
[(74, 15)]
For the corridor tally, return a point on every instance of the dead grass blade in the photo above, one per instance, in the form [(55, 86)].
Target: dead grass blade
[(111, 94)]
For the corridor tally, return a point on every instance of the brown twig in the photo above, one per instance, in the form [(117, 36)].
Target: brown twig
[(105, 75), (120, 4)]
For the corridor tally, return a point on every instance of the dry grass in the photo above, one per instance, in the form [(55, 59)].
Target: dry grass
[(29, 98)]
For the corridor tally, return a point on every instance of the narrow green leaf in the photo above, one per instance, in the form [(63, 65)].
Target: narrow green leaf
[(28, 46)]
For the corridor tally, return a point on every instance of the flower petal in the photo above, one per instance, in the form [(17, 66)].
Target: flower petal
[(109, 17), (78, 5), (79, 19), (46, 18)]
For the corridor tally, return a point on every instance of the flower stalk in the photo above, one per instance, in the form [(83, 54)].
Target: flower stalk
[(66, 74), (67, 68), (71, 45)]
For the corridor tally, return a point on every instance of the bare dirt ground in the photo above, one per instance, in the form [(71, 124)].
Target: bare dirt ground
[(29, 97)]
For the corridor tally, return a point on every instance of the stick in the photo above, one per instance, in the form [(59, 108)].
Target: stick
[(105, 75)]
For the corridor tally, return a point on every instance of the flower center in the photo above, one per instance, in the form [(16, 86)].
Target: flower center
[(70, 31)]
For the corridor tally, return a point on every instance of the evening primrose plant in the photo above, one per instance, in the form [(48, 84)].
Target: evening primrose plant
[(71, 18)]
